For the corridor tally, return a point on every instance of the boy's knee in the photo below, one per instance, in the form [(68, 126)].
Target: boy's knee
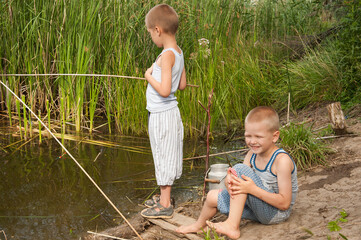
[(212, 197), (242, 169), (226, 181)]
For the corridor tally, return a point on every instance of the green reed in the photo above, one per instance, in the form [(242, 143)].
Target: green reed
[(19, 116), (48, 113), (93, 100), (9, 106), (62, 118), (39, 125), (25, 119), (109, 37)]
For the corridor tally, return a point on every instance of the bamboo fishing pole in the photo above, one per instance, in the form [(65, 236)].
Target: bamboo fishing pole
[(76, 162), (75, 75)]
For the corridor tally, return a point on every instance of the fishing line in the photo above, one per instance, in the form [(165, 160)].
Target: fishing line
[(66, 74), (76, 162), (75, 75)]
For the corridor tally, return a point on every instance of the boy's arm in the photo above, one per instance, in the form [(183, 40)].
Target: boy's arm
[(166, 64), (246, 161), (247, 158), (183, 80), (280, 200)]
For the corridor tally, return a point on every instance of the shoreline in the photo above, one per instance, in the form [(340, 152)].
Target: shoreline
[(324, 192)]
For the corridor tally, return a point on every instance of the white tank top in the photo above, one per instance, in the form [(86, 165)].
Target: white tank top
[(269, 179), (155, 102)]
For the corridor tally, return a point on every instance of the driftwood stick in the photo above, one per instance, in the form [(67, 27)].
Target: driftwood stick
[(320, 128), (338, 136), (216, 154), (105, 235)]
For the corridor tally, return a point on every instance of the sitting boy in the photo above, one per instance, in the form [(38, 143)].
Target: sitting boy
[(263, 188)]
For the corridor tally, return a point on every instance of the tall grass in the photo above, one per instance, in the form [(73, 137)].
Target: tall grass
[(109, 37), (350, 46), (314, 78), (303, 146)]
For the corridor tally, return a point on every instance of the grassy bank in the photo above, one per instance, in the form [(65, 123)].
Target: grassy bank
[(244, 60)]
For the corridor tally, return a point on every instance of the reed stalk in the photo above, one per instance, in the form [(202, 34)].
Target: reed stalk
[(97, 37), (30, 127), (19, 115), (94, 93), (107, 102), (9, 113), (39, 113), (48, 113), (25, 120)]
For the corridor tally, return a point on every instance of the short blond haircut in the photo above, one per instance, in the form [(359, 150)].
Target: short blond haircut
[(163, 16), (266, 114)]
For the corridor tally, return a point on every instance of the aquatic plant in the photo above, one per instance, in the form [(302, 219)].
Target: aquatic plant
[(109, 37)]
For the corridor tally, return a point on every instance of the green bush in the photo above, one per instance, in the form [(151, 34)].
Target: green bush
[(314, 78), (300, 142), (349, 43)]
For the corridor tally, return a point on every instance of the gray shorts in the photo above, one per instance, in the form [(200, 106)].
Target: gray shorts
[(255, 209), (166, 140)]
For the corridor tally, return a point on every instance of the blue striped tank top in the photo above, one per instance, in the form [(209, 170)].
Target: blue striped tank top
[(269, 179)]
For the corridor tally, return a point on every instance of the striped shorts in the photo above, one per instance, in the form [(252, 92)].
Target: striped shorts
[(255, 209), (166, 140)]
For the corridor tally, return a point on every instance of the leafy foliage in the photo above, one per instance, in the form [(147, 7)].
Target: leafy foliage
[(350, 47), (302, 145), (109, 37), (333, 226)]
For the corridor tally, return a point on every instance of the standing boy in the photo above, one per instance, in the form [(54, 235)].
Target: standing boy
[(262, 189), (165, 77)]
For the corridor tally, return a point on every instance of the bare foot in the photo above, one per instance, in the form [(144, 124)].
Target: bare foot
[(193, 228), (226, 229)]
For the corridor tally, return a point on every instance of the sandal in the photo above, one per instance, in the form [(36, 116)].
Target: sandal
[(162, 213), (153, 201)]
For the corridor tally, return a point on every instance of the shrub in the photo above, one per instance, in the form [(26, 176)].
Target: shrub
[(349, 43), (302, 145)]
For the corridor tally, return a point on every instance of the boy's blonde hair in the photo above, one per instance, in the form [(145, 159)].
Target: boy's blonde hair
[(267, 114), (163, 16)]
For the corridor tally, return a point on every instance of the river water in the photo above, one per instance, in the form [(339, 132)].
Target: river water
[(45, 195)]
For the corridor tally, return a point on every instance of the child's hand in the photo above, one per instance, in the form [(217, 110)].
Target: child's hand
[(242, 185), (232, 171), (148, 73)]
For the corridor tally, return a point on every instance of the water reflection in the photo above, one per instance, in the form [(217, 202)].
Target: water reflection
[(44, 195)]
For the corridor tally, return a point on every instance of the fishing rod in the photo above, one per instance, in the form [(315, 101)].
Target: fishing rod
[(76, 162), (75, 75)]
